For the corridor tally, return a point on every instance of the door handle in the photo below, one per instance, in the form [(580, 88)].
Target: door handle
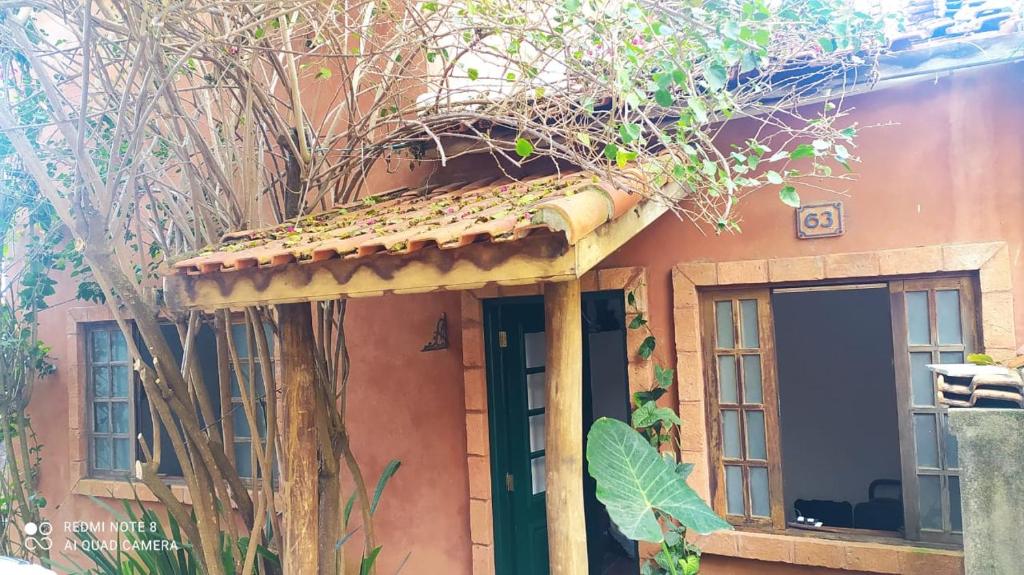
[(510, 482)]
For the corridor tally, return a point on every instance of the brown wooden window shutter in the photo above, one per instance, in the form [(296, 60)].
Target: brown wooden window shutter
[(743, 410)]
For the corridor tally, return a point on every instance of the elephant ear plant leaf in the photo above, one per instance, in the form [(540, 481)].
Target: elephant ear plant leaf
[(634, 482)]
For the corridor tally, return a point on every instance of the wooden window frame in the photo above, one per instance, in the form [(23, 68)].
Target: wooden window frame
[(769, 405), (251, 359), (91, 400), (968, 289), (902, 349)]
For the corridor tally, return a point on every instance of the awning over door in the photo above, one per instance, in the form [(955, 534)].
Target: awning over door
[(418, 240)]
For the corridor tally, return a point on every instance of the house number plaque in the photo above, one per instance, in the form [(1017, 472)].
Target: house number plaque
[(823, 220)]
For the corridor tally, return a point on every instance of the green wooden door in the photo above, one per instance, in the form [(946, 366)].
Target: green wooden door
[(516, 355)]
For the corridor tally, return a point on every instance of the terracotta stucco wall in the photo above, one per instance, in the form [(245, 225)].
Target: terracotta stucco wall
[(951, 171), (404, 404), (948, 171)]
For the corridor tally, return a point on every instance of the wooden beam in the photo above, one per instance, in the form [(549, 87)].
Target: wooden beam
[(539, 257), (301, 461), (567, 528)]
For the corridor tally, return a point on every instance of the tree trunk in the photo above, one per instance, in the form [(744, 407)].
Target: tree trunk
[(567, 531), (301, 462)]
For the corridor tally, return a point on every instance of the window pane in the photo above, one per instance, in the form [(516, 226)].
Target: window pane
[(922, 388), (748, 316), (755, 436), (952, 457), (955, 514), (734, 490), (102, 458), (239, 421), (243, 458), (239, 373), (731, 434), (951, 357), (947, 316), (728, 391), (122, 454), (537, 432), (101, 417), (723, 323), (118, 347), (759, 492), (240, 337), (537, 478), (120, 379), (101, 346), (919, 333), (930, 501), (926, 440), (535, 390), (119, 416), (101, 382), (536, 349), (752, 379)]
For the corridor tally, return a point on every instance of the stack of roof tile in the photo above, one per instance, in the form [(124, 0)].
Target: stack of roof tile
[(968, 385)]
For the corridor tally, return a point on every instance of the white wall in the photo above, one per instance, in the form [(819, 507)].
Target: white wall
[(837, 393)]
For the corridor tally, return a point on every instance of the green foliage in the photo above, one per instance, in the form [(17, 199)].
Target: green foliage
[(634, 481), (645, 491), (981, 359)]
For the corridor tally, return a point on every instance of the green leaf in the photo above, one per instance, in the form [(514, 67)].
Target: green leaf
[(259, 33), (387, 474), (366, 566), (523, 147), (980, 359), (802, 151), (584, 138), (611, 151), (773, 177), (649, 413), (663, 97), (633, 481), (638, 322), (629, 132), (663, 376), (699, 110), (647, 347), (716, 77), (827, 44), (473, 73), (624, 157), (324, 73), (789, 196)]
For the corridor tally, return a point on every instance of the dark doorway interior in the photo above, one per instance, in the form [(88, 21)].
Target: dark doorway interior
[(606, 394), (837, 393)]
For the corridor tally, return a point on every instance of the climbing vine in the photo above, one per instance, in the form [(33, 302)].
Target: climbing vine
[(657, 424)]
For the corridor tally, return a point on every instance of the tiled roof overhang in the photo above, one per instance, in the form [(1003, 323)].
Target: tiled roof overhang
[(449, 238)]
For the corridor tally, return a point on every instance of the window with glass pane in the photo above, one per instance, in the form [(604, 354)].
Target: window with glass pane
[(939, 329), (535, 350), (248, 372), (744, 408), (111, 416)]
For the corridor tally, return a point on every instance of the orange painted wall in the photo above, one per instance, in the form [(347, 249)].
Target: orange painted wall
[(405, 404), (951, 171)]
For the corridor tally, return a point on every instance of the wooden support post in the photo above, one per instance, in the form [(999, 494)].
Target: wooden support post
[(567, 529), (301, 463)]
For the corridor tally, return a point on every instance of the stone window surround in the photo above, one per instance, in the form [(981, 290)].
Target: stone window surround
[(78, 420), (640, 373), (990, 261)]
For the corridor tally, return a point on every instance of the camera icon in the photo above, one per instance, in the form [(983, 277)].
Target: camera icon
[(38, 535)]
